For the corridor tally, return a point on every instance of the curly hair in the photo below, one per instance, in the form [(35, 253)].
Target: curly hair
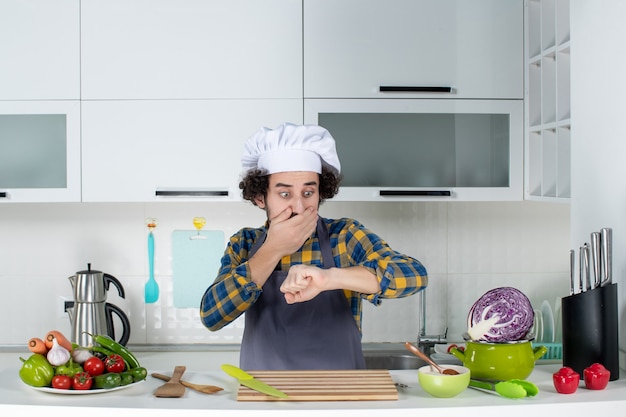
[(256, 182)]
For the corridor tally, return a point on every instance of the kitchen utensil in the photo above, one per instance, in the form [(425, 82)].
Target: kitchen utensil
[(151, 290), (249, 381), (442, 385), (325, 385), (590, 329), (514, 388), (595, 259), (581, 269), (499, 361), (413, 349), (587, 267), (172, 388), (572, 273), (207, 389), (192, 261), (606, 239), (89, 312)]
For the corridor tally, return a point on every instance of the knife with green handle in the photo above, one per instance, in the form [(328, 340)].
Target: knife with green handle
[(248, 380)]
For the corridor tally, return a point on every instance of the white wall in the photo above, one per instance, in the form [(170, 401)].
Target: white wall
[(468, 249), (598, 88)]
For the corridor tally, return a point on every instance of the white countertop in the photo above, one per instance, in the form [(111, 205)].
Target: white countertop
[(203, 368)]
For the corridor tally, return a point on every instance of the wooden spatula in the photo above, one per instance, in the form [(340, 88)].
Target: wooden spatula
[(207, 389), (173, 388)]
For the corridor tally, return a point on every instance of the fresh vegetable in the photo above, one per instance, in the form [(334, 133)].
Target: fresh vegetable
[(502, 314), (126, 378), (58, 355), (61, 382), (80, 355), (566, 380), (60, 338), (107, 381), (139, 373), (37, 345), (114, 363), (69, 369), (94, 366), (36, 371), (596, 376), (82, 381), (102, 351), (108, 343)]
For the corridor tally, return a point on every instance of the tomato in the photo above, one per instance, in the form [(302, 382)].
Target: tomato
[(82, 381), (62, 382), (566, 380), (114, 363), (94, 366), (596, 376)]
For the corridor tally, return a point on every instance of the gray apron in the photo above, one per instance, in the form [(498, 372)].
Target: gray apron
[(317, 334)]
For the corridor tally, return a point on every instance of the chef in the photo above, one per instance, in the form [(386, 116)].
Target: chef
[(300, 278)]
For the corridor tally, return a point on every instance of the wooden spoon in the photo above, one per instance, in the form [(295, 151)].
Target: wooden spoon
[(173, 388), (411, 348), (207, 389)]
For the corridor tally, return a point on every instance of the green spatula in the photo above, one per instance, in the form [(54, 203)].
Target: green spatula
[(514, 388)]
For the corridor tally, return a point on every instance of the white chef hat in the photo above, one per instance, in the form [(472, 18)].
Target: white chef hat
[(291, 147)]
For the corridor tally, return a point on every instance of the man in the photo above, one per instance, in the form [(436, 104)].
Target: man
[(300, 278)]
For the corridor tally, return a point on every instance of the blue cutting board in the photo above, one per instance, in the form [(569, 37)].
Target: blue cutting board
[(195, 264)]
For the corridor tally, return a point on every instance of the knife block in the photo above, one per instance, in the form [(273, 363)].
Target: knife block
[(590, 330)]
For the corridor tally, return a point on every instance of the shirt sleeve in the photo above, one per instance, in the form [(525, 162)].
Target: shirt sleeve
[(232, 292), (399, 275)]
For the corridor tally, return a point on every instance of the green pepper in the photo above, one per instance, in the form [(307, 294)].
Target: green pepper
[(36, 371), (107, 381), (70, 369), (127, 378), (139, 374)]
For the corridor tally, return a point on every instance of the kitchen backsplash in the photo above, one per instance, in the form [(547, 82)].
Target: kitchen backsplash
[(468, 248)]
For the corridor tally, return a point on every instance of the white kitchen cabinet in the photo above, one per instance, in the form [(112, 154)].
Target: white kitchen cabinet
[(171, 150), (353, 47), (39, 151), (39, 50), (424, 149), (548, 124), (191, 49)]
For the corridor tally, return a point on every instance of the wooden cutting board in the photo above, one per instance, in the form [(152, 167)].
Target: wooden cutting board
[(348, 385)]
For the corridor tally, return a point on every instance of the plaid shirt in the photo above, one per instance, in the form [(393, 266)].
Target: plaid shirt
[(233, 292)]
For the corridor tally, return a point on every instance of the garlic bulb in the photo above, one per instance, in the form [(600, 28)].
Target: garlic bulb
[(80, 355), (58, 355)]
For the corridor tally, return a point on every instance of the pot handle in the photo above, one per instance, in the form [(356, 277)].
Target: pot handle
[(539, 351), (458, 353), (109, 310)]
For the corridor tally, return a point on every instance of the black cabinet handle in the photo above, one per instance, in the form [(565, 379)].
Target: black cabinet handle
[(191, 193), (415, 193), (3, 194), (413, 89)]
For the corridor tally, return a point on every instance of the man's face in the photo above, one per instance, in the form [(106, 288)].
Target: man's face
[(296, 190)]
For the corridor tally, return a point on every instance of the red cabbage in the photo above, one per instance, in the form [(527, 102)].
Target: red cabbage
[(500, 315)]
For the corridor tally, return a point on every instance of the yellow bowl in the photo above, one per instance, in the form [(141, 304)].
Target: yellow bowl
[(443, 386)]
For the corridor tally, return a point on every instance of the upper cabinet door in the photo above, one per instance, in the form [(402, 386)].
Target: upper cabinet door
[(39, 49), (353, 47), (191, 49), (171, 150)]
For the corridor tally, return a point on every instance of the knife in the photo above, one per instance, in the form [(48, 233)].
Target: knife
[(606, 237), (595, 259), (587, 268), (572, 273), (249, 381)]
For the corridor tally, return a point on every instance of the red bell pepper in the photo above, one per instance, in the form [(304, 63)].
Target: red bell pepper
[(596, 376), (566, 380)]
